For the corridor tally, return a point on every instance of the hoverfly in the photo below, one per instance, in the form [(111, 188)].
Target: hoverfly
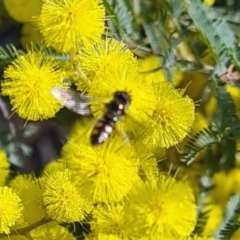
[(79, 103)]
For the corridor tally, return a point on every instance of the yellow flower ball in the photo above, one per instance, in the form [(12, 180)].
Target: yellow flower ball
[(11, 209), (151, 209), (28, 189), (103, 58), (172, 117), (28, 81), (62, 199), (66, 24), (23, 10), (105, 217)]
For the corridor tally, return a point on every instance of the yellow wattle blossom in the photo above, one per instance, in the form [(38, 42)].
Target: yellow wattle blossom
[(106, 173), (66, 24), (28, 81), (51, 231), (127, 79), (152, 207), (103, 58), (11, 209), (109, 220), (23, 10), (62, 199), (28, 189), (4, 168), (172, 118)]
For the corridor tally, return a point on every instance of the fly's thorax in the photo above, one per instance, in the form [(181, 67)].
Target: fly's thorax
[(119, 104)]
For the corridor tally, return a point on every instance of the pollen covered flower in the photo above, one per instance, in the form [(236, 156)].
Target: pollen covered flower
[(66, 23), (11, 209), (29, 190), (28, 81), (62, 199), (109, 220), (51, 231), (4, 168), (103, 58), (172, 118), (107, 172), (151, 209), (128, 80)]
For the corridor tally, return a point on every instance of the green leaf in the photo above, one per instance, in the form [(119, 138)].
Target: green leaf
[(126, 18), (205, 138), (230, 222), (14, 146), (202, 210), (216, 34), (228, 148), (48, 51), (8, 53), (225, 119), (121, 20), (198, 48)]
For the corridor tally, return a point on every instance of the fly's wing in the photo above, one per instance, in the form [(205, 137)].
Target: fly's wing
[(72, 100)]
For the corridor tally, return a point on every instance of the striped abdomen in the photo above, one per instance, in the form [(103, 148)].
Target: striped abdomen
[(103, 128), (114, 110)]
